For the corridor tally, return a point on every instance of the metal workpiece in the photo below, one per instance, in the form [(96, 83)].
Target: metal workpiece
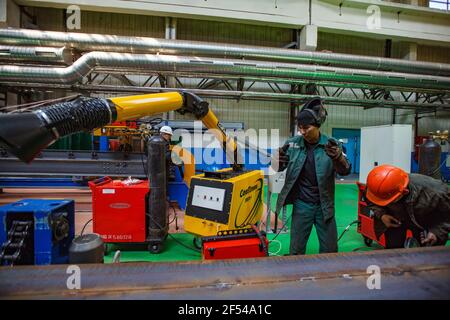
[(99, 42), (74, 163), (47, 55), (418, 273), (91, 60)]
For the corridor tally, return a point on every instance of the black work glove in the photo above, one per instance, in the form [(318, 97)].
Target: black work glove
[(332, 149), (280, 159), (283, 158)]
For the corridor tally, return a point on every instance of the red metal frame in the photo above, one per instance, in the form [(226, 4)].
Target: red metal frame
[(234, 249)]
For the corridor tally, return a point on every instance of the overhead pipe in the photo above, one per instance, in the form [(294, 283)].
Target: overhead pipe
[(161, 63), (35, 54), (99, 42)]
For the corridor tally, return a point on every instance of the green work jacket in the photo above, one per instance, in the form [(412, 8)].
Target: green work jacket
[(325, 172)]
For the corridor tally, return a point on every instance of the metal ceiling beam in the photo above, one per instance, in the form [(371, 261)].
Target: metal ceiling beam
[(250, 95)]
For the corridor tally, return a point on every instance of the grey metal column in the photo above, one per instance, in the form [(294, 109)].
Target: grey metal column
[(171, 34)]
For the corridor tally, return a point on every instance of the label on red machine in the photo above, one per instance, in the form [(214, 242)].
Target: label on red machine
[(108, 191), (120, 205)]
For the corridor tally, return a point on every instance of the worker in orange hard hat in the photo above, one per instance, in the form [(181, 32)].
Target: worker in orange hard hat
[(402, 201)]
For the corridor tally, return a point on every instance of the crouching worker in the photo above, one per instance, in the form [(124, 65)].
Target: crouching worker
[(402, 201), (312, 160)]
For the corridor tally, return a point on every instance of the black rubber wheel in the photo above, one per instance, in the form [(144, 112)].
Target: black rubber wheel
[(368, 241), (155, 247), (197, 241)]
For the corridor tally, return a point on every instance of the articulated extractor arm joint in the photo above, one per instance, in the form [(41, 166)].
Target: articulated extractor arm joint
[(200, 108), (194, 104)]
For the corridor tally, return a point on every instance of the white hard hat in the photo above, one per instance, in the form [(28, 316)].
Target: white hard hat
[(166, 129)]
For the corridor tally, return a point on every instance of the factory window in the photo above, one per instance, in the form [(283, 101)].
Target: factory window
[(440, 4)]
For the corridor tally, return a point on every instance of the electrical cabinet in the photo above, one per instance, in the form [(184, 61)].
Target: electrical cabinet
[(388, 144)]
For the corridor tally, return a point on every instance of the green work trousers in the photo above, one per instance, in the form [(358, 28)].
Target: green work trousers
[(304, 216)]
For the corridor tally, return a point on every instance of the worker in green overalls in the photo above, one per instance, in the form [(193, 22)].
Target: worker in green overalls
[(312, 161)]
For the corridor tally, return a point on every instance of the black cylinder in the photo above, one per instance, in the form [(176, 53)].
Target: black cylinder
[(430, 158), (88, 248), (158, 224)]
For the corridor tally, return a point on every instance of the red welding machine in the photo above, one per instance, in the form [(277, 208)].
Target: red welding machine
[(366, 221), (118, 209), (235, 244)]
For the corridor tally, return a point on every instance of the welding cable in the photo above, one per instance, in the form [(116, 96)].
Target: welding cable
[(116, 258), (175, 239), (346, 229), (254, 210), (82, 230), (174, 214), (279, 249), (282, 228), (37, 104), (261, 238)]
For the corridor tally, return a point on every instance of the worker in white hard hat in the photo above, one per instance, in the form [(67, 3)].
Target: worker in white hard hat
[(166, 133)]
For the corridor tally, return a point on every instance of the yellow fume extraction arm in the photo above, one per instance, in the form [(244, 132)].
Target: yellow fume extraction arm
[(26, 134)]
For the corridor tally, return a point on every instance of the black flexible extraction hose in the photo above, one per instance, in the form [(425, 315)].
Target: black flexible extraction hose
[(25, 134)]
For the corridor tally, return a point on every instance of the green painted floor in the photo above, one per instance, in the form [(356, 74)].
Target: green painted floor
[(346, 212)]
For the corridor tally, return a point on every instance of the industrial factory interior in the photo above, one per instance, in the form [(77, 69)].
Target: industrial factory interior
[(243, 151)]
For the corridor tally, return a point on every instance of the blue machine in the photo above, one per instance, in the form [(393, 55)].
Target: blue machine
[(36, 231)]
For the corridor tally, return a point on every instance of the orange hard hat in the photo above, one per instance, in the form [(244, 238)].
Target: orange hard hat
[(385, 184)]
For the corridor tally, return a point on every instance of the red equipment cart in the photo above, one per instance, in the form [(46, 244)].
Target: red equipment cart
[(366, 222)]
